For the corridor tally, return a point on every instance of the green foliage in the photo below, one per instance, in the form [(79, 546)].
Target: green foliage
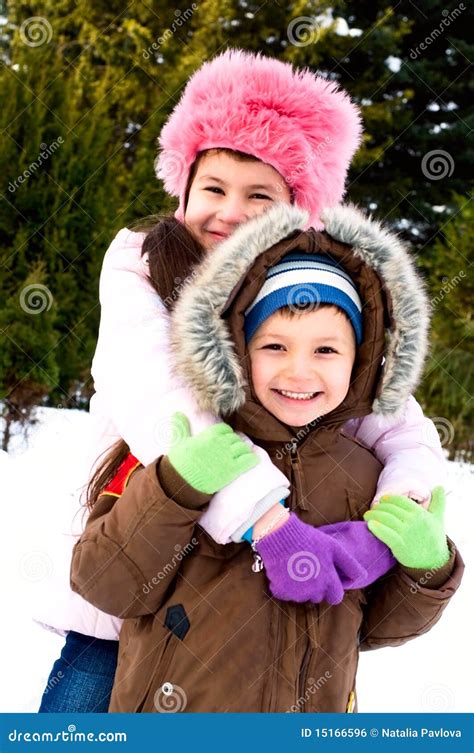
[(448, 385), (86, 90), (28, 367)]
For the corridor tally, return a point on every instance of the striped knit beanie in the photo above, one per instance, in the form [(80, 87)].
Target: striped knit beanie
[(300, 280)]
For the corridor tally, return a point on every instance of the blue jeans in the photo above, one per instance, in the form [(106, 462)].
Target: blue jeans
[(81, 679)]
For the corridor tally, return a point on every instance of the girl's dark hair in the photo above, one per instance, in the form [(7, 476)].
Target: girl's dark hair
[(172, 255)]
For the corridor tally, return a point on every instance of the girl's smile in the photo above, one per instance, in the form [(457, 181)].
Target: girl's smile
[(226, 191)]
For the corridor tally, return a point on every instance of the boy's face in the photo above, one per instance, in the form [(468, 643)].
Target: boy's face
[(310, 355), (226, 192)]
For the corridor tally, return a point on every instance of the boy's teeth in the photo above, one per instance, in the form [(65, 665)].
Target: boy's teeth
[(298, 395)]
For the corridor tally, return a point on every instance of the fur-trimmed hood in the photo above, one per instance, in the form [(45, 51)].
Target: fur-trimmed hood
[(206, 324)]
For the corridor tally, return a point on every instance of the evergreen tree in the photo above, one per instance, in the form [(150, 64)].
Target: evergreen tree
[(448, 385), (28, 368), (87, 86)]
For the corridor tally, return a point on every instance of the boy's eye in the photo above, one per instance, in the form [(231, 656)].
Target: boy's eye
[(325, 349), (272, 346)]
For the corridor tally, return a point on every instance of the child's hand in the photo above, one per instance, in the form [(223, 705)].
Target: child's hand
[(210, 460), (303, 564), (416, 536)]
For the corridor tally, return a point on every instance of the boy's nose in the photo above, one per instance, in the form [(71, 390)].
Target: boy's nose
[(299, 373)]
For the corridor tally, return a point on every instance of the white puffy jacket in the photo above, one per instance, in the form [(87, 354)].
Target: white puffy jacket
[(137, 393)]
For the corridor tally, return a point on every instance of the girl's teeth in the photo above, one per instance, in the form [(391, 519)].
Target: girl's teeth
[(298, 395)]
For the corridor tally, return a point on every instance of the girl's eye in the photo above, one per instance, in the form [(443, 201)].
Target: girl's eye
[(324, 349), (262, 196), (214, 189)]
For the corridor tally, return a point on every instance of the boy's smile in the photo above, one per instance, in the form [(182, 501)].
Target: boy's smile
[(301, 363)]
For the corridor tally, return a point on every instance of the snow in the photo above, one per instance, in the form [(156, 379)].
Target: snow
[(393, 63), (41, 481)]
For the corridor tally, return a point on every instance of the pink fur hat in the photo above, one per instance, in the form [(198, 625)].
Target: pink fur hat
[(298, 122)]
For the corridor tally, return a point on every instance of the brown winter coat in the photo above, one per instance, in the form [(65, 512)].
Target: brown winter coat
[(202, 631)]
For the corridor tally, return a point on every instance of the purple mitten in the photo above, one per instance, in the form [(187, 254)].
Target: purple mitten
[(371, 553), (305, 563)]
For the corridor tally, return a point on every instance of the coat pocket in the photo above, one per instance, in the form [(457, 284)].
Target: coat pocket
[(161, 695)]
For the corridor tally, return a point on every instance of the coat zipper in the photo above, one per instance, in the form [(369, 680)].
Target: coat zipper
[(304, 673), (296, 473), (312, 620)]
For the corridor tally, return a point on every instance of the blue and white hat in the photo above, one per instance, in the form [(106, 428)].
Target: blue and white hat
[(300, 280)]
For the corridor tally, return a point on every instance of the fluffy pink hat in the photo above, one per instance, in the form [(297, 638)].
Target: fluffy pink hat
[(298, 122)]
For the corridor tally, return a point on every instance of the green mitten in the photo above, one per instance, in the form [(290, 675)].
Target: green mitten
[(210, 460), (416, 536)]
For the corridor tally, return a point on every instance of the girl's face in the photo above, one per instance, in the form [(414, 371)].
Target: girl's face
[(301, 366), (226, 191)]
